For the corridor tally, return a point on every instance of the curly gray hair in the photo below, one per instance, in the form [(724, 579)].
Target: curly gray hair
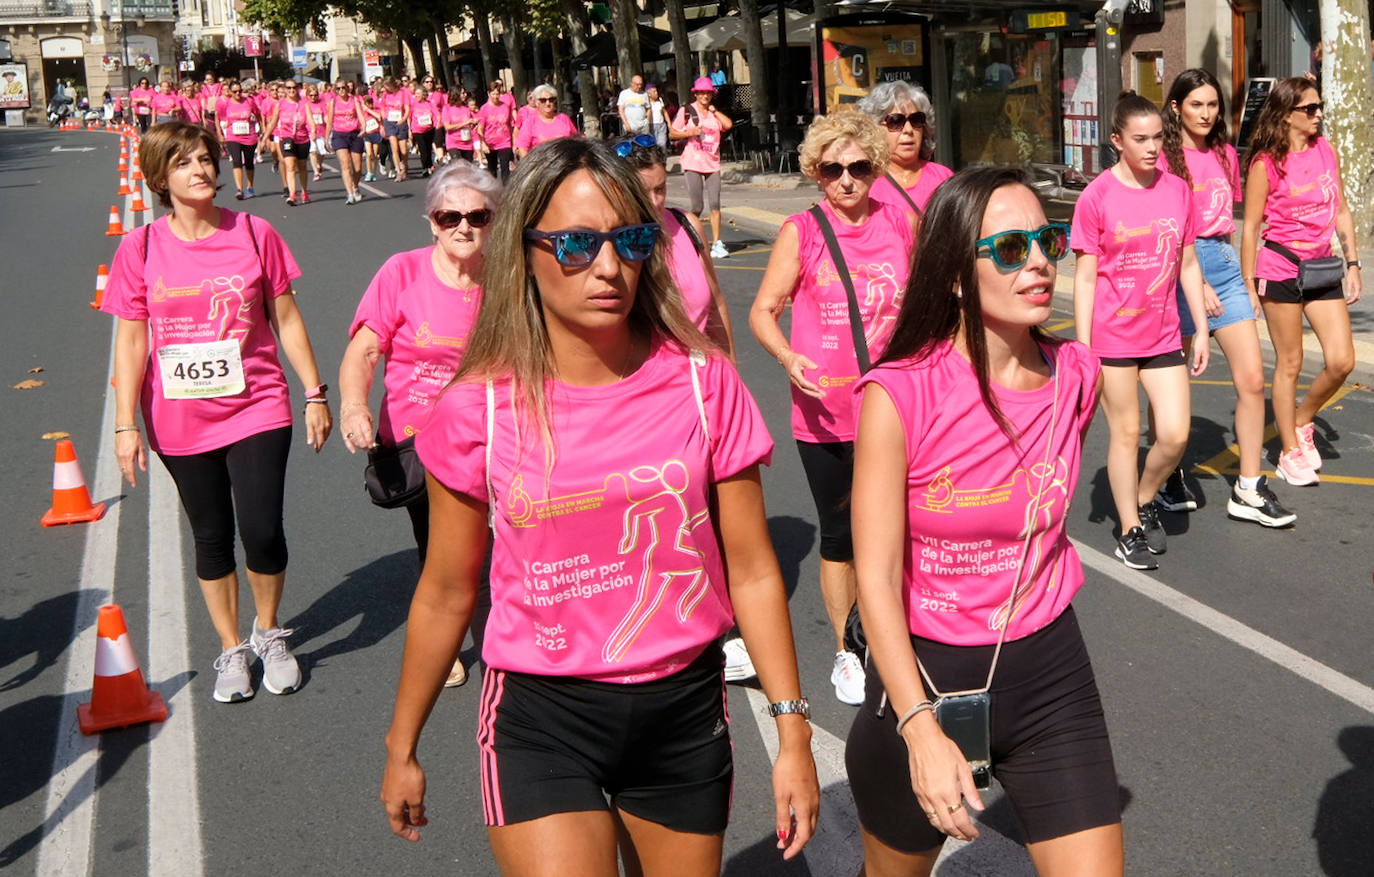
[(887, 95), (460, 174)]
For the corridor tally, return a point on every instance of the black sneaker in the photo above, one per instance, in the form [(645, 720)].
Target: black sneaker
[(1175, 496), (1134, 551), (1259, 505), (1154, 530)]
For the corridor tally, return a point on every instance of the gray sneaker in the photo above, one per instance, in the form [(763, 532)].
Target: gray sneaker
[(280, 673), (234, 683)]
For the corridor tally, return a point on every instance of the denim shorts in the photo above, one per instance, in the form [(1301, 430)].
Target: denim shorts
[(1221, 270)]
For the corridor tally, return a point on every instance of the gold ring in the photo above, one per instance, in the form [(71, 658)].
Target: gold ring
[(955, 808), (930, 814)]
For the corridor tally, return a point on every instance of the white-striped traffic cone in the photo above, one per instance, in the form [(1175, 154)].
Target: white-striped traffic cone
[(71, 501), (119, 696)]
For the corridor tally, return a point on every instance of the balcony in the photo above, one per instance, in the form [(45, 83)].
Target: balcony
[(41, 10)]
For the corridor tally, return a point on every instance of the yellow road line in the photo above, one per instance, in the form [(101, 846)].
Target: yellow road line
[(1203, 382), (765, 216), (1325, 477), (1227, 462), (1055, 327)]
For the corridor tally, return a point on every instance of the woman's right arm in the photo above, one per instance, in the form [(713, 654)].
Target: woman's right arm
[(1084, 291), (1256, 194), (355, 383), (130, 359), (779, 283), (440, 613), (940, 775)]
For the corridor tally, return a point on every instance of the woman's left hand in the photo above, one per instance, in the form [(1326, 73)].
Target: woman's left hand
[(1202, 353), (1211, 303), (318, 423), (797, 795), (1354, 287)]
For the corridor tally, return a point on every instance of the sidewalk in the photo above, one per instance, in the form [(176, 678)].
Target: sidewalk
[(759, 203)]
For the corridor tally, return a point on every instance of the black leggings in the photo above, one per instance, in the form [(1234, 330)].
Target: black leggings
[(424, 144), (245, 479), (498, 163), (829, 470), (241, 154)]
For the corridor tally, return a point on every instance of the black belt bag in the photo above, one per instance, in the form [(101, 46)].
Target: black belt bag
[(1313, 274), (394, 476)]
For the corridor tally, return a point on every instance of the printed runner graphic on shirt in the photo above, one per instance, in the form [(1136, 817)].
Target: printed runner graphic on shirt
[(1164, 261), (1317, 214), (202, 359)]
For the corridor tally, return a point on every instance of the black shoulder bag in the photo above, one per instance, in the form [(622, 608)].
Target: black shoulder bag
[(1313, 274)]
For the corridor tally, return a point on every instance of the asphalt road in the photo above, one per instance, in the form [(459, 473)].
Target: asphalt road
[(1238, 680)]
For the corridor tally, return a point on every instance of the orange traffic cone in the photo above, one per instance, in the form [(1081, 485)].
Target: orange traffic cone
[(119, 696), (137, 175), (116, 227), (139, 206), (71, 502), (124, 185), (102, 277), (124, 160)]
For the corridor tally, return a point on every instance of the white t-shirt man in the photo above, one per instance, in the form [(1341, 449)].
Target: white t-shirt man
[(634, 107)]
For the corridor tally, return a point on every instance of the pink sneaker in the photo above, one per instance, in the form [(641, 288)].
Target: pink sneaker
[(1293, 468), (1309, 447)]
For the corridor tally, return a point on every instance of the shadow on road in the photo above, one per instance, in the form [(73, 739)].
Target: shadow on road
[(44, 631), (378, 595), (792, 540), (1345, 844)]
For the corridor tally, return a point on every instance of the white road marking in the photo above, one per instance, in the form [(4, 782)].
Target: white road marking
[(1224, 625), (69, 813), (174, 839), (361, 185)]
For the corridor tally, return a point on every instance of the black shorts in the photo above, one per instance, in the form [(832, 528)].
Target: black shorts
[(346, 141), (1287, 291), (658, 750), (298, 151), (241, 154), (830, 473), (1159, 360), (1050, 749)]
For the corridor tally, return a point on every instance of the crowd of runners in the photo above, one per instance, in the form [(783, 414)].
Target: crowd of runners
[(615, 576)]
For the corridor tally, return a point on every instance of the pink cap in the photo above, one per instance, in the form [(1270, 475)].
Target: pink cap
[(703, 83)]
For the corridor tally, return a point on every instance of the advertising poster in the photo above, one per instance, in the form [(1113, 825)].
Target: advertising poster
[(14, 87), (856, 57)]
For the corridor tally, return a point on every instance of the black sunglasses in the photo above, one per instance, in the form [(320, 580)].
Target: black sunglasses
[(830, 171), (577, 248), (1010, 249), (451, 219), (897, 121), (1310, 109), (544, 100), (640, 141)]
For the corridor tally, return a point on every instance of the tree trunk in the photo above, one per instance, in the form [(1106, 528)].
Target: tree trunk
[(441, 40), (577, 25), (416, 44), (757, 62), (785, 84), (1347, 91), (515, 54), (682, 51), (435, 58), (625, 25), (483, 26)]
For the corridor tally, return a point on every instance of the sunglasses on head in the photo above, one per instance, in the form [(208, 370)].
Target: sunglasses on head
[(451, 219), (1010, 249), (640, 141), (577, 249), (1310, 109), (897, 121), (830, 171)]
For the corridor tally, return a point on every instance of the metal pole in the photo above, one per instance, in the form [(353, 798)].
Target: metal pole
[(124, 47)]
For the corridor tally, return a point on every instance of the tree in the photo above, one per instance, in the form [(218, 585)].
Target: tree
[(682, 51), (1348, 91), (284, 16), (625, 26), (758, 63), (577, 25)]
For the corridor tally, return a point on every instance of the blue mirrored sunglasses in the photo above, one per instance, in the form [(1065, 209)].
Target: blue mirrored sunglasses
[(577, 248), (641, 141), (1010, 249)]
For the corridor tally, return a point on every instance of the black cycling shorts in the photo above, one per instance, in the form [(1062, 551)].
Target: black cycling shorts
[(1287, 291), (1050, 749), (830, 473), (1159, 360), (659, 750)]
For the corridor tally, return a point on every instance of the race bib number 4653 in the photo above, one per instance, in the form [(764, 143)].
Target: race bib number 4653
[(201, 371)]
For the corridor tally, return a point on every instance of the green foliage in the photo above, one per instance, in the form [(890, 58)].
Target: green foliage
[(230, 62), (285, 16)]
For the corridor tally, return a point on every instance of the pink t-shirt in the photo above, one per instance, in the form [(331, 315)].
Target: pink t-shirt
[(930, 177), (608, 568), (345, 114), (165, 104), (422, 328), (319, 111), (211, 89), (496, 119), (878, 254), (266, 105), (461, 139), (190, 109), (423, 116), (1300, 212), (236, 118), (1138, 236), (701, 153), (689, 276), (970, 494), (537, 130), (524, 114), (1216, 190), (197, 293), (139, 99), (293, 121), (393, 106)]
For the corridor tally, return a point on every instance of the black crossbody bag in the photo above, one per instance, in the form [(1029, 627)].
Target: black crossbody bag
[(1313, 274)]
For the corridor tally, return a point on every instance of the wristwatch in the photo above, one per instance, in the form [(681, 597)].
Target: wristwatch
[(1352, 263), (801, 707)]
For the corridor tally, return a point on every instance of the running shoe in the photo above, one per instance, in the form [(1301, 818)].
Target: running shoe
[(249, 193), (280, 672), (290, 201), (848, 678), (305, 197), (238, 194), (1259, 505), (1309, 447), (718, 250), (1153, 529), (738, 665), (233, 682), (285, 192), (458, 675), (369, 177), (357, 196), (1175, 496), (1294, 469), (1134, 551)]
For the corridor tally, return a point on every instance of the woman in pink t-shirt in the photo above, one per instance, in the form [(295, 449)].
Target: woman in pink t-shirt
[(166, 103), (545, 124), (619, 554), (1293, 187), (904, 111), (424, 119), (845, 151), (394, 105), (344, 123), (292, 128), (971, 430), (140, 104), (497, 119), (318, 108), (198, 295), (1133, 231), (1197, 151), (702, 126), (238, 116), (191, 107), (462, 127)]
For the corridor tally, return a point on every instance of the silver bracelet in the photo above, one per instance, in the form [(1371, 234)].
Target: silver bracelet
[(126, 428), (913, 712)]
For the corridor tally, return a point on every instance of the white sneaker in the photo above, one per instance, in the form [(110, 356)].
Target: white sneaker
[(280, 672), (718, 250), (848, 678), (738, 665)]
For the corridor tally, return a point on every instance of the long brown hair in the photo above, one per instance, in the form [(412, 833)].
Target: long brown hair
[(1271, 128), (1185, 84)]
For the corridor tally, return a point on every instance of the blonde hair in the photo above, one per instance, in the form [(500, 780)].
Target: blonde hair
[(510, 338), (840, 126), (159, 149)]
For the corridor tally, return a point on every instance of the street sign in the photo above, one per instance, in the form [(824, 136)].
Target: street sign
[(298, 57), (252, 45)]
